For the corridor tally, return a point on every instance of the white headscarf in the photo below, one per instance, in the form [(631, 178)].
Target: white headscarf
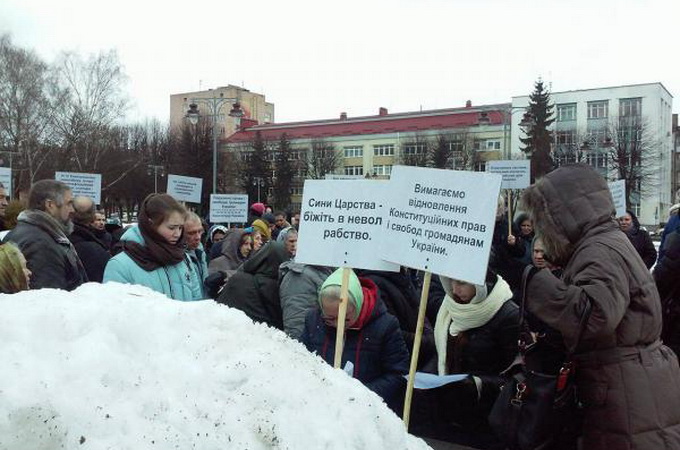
[(454, 318)]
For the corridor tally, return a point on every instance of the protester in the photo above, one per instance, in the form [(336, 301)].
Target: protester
[(628, 382), (257, 238), (93, 251), (526, 234), (667, 277), (41, 235), (99, 227), (263, 228), (672, 224), (216, 234), (299, 291), (254, 288), (235, 250), (280, 224), (4, 201), (255, 212), (193, 232), (270, 221), (289, 236), (115, 229), (153, 251), (639, 237), (373, 343), (295, 220), (506, 248), (14, 275)]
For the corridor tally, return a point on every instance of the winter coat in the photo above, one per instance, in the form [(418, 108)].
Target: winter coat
[(199, 264), (230, 256), (377, 350), (176, 281), (525, 259), (298, 291), (49, 254), (627, 381), (642, 242), (672, 224), (504, 258), (254, 287), (401, 299), (667, 277), (93, 252)]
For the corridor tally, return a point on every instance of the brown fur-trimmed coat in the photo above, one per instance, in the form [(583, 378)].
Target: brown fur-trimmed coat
[(628, 381)]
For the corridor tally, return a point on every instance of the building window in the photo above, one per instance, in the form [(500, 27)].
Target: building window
[(598, 109), (382, 169), (598, 159), (566, 112), (296, 190), (597, 138), (383, 150), (630, 107), (414, 149), (354, 170), (480, 166), (354, 152), (566, 138), (493, 144)]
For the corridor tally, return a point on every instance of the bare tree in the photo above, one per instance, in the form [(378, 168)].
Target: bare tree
[(323, 159), (415, 150), (633, 156)]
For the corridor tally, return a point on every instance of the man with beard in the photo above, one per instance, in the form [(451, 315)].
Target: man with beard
[(41, 235), (92, 250)]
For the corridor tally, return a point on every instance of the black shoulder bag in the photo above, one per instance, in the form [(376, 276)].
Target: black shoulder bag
[(534, 407)]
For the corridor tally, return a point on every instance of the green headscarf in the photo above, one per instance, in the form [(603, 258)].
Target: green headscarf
[(356, 294)]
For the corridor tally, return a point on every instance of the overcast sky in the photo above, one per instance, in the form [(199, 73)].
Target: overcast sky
[(314, 59)]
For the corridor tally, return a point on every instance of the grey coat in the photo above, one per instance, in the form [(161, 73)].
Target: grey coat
[(627, 380)]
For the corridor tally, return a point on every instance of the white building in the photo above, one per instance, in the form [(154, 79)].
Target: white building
[(590, 115)]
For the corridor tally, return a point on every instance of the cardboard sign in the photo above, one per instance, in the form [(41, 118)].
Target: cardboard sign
[(85, 184), (6, 180), (227, 208), (185, 189), (618, 190), (441, 221), (341, 223), (516, 173)]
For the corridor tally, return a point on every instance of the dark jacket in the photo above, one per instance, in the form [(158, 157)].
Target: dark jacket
[(93, 252), (627, 381), (667, 277), (254, 287), (49, 254), (377, 351), (401, 299), (504, 259), (671, 225), (642, 242)]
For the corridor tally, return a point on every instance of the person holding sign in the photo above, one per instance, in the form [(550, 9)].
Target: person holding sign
[(626, 379), (373, 342), (153, 251)]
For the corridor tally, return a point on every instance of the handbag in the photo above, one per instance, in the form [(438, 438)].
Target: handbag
[(536, 405)]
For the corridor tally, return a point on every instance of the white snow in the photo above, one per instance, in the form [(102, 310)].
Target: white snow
[(121, 367)]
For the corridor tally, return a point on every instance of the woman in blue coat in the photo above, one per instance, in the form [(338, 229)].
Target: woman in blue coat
[(373, 340), (153, 251)]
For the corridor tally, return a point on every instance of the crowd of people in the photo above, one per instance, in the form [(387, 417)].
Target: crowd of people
[(567, 248)]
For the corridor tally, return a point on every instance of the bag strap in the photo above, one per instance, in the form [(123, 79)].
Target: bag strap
[(583, 319)]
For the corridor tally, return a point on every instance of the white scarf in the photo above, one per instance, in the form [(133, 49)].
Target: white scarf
[(454, 318)]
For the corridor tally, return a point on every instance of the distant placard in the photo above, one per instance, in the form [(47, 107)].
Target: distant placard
[(618, 190), (228, 208), (85, 184), (335, 176), (340, 224), (185, 189), (441, 221), (516, 173), (6, 180)]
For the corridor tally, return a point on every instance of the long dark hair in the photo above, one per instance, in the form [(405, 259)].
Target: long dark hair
[(157, 207)]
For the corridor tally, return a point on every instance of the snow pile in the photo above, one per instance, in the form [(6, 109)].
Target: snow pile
[(121, 367)]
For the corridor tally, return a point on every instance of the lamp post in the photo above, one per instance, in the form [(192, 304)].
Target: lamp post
[(259, 182), (155, 169), (214, 105), (527, 121)]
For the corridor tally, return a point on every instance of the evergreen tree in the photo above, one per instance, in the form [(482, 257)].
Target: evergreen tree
[(538, 138), (284, 170), (255, 169)]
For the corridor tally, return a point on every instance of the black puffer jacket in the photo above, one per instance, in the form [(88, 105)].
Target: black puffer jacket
[(48, 252), (254, 287), (93, 252), (504, 259), (667, 277), (642, 242)]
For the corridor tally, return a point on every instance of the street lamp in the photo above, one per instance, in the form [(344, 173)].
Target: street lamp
[(214, 105), (155, 169), (259, 182), (527, 121)]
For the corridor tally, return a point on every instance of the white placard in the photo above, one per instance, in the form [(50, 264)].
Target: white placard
[(6, 180), (516, 173), (340, 224), (85, 184), (441, 221), (185, 189), (618, 190), (227, 208)]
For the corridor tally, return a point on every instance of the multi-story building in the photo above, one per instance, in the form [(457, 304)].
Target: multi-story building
[(253, 105), (675, 189), (369, 146), (603, 118)]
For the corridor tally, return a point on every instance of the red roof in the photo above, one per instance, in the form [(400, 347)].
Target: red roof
[(391, 123)]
